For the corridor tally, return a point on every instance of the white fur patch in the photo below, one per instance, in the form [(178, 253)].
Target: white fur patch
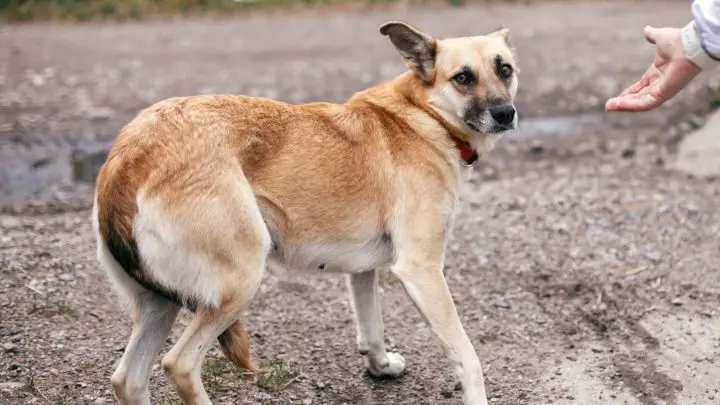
[(341, 258), (449, 104), (167, 259)]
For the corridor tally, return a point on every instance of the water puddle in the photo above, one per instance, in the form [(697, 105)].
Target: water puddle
[(27, 170)]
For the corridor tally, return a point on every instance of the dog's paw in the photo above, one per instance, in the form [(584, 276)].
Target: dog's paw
[(475, 396), (393, 367)]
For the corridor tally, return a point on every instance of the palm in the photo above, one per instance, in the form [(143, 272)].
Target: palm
[(668, 74), (651, 81)]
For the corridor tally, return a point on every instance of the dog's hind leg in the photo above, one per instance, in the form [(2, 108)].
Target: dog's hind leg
[(220, 237), (153, 320), (370, 329), (184, 361)]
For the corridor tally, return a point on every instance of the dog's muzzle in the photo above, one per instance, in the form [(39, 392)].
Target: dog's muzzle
[(503, 115)]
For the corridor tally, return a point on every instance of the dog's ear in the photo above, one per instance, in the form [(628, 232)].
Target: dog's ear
[(503, 32), (417, 48)]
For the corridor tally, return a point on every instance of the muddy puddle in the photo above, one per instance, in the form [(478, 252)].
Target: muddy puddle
[(28, 170)]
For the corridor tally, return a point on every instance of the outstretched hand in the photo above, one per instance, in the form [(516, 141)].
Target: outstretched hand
[(668, 74)]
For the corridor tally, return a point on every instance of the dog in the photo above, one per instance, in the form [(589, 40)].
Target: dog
[(199, 194)]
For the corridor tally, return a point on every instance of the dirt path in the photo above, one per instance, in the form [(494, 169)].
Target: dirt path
[(584, 270)]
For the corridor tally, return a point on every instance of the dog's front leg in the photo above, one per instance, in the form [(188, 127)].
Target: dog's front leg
[(370, 330), (419, 267)]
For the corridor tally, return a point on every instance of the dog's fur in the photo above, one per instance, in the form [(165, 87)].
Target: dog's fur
[(199, 194)]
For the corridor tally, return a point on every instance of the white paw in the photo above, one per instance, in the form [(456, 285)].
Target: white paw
[(393, 367), (475, 396)]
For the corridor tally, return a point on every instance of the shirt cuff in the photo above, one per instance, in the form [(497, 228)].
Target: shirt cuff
[(694, 49)]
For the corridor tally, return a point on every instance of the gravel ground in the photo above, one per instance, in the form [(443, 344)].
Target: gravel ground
[(584, 269)]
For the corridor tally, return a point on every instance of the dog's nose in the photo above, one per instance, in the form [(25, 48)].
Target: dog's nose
[(503, 114)]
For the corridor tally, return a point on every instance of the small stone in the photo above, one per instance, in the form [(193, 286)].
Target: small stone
[(10, 386), (628, 153), (537, 148), (652, 256), (320, 384), (99, 401), (677, 302), (9, 347), (502, 304), (306, 401), (37, 80), (597, 350)]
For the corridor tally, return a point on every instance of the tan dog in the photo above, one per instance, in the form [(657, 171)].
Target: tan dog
[(199, 194)]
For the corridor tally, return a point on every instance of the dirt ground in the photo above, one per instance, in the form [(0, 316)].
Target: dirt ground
[(585, 271)]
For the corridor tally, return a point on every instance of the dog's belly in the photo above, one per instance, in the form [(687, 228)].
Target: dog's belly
[(338, 257)]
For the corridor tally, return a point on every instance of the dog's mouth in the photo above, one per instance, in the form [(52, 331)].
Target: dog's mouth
[(495, 129), (472, 126)]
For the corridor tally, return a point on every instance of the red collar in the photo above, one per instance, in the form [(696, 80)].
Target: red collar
[(468, 155)]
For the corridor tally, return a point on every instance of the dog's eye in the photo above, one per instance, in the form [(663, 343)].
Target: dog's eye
[(462, 78), (506, 70)]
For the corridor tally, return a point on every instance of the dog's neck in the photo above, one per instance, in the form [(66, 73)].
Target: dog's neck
[(410, 89)]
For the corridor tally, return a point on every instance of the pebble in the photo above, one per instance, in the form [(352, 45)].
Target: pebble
[(9, 347), (10, 386), (502, 304), (652, 256)]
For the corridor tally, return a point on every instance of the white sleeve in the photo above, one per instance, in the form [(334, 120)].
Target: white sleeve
[(706, 15), (701, 36)]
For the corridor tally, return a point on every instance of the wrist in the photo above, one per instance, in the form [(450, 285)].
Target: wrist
[(693, 48)]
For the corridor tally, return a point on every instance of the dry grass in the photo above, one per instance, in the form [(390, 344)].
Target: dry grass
[(85, 10)]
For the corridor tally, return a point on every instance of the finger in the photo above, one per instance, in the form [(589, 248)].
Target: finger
[(650, 34), (633, 104)]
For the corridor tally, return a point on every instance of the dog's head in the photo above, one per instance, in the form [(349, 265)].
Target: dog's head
[(470, 82)]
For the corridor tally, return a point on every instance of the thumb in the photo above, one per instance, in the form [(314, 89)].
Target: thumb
[(650, 34)]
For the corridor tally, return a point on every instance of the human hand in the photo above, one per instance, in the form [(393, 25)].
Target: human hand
[(669, 73)]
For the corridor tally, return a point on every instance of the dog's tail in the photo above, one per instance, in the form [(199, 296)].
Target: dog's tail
[(235, 344)]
